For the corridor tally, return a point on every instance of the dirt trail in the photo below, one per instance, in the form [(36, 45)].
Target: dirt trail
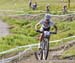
[(3, 29), (53, 55)]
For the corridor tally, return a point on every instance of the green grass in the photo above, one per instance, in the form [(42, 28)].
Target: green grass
[(69, 52), (55, 5), (23, 33)]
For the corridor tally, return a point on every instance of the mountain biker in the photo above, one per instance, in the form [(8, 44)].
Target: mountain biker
[(46, 25)]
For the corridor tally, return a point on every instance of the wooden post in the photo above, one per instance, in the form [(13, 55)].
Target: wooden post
[(69, 3)]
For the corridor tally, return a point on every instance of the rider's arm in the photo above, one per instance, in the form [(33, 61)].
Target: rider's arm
[(39, 23), (36, 26), (54, 26)]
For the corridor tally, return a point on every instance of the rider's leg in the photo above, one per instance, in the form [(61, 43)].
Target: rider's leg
[(41, 37)]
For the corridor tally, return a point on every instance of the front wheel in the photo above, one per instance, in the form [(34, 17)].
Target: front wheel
[(46, 51), (42, 53), (39, 54)]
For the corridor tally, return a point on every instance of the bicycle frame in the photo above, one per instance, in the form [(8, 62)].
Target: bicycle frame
[(44, 45), (45, 48)]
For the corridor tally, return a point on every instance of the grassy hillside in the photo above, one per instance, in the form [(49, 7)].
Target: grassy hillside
[(23, 32)]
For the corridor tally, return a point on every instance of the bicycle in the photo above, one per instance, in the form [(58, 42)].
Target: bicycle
[(42, 53)]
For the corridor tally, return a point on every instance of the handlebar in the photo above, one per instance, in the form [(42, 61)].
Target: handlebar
[(39, 31), (43, 31)]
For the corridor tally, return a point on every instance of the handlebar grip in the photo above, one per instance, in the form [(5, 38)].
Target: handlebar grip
[(53, 32), (39, 31)]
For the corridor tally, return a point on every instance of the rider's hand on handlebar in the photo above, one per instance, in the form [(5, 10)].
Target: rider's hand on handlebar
[(54, 32), (37, 30)]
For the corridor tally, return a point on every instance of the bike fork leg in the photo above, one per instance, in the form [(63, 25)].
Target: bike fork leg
[(47, 52)]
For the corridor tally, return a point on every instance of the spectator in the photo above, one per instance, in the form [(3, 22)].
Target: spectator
[(64, 9), (47, 8), (34, 6)]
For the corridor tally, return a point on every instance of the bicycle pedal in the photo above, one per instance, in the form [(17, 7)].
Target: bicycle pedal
[(38, 53)]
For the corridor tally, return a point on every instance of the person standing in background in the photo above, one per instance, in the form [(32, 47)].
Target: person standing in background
[(64, 9), (34, 6), (30, 3), (47, 8)]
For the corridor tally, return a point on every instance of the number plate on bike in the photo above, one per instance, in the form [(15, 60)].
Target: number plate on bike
[(46, 33)]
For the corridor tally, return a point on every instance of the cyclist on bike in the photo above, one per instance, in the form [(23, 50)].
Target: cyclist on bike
[(46, 25)]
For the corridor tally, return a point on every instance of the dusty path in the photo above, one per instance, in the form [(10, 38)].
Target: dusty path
[(53, 55), (32, 59), (3, 29)]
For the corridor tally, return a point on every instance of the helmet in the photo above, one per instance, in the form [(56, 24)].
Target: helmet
[(47, 16)]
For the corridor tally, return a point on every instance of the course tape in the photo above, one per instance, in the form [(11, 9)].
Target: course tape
[(32, 45), (30, 14), (14, 57), (36, 15), (11, 11), (20, 55)]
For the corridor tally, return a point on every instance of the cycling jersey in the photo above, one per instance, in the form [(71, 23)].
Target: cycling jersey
[(45, 27)]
